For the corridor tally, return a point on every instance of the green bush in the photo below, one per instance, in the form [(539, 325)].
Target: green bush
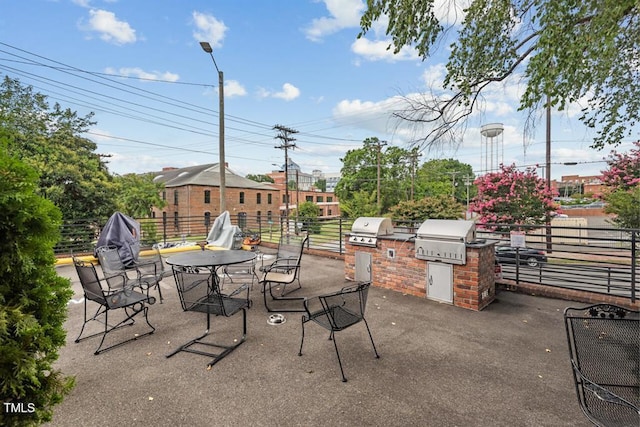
[(33, 299)]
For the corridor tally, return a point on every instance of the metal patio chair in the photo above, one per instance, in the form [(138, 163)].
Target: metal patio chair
[(244, 273), (150, 270), (284, 270), (339, 311), (604, 349), (199, 291), (118, 275), (123, 300)]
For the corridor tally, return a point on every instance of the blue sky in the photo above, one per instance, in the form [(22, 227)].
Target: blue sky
[(139, 66)]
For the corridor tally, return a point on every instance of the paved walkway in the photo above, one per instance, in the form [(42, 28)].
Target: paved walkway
[(440, 366)]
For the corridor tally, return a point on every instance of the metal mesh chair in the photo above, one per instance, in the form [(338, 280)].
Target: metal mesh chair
[(243, 273), (199, 291), (149, 270), (604, 348), (339, 311), (117, 274), (284, 271), (123, 299)]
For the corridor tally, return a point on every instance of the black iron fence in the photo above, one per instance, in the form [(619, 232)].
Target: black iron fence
[(603, 260)]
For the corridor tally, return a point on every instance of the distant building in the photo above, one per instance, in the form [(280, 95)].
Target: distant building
[(302, 189), (195, 192), (576, 184)]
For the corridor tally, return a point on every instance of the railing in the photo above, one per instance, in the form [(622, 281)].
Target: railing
[(602, 260)]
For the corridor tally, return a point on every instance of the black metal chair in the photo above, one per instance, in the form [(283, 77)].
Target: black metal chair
[(116, 273), (339, 311), (284, 271), (123, 299), (150, 270), (243, 273), (199, 290), (604, 349)]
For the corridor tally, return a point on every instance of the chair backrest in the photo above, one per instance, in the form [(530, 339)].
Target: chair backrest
[(604, 347), (90, 281), (197, 290), (291, 246), (347, 306), (110, 261)]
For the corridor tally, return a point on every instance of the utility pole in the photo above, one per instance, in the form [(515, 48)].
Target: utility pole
[(453, 182), (284, 135), (414, 162), (547, 171), (467, 183), (379, 145)]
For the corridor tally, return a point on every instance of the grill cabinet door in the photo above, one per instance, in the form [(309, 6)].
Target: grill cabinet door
[(440, 282), (363, 266)]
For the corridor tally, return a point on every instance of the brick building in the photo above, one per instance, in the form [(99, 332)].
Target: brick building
[(194, 191)]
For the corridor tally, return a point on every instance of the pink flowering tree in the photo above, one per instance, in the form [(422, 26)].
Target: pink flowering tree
[(622, 193), (511, 196)]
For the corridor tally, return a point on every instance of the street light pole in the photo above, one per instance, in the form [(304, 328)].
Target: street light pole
[(221, 165)]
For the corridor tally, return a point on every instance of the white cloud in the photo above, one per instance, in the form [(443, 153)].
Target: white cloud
[(208, 29), (377, 51), (147, 75), (233, 88), (343, 14), (289, 92), (110, 28)]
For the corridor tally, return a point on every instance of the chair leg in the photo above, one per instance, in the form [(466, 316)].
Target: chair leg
[(275, 298), (216, 356), (371, 338), (302, 340), (130, 317), (335, 345)]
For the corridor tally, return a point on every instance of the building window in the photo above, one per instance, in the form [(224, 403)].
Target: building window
[(309, 198), (319, 199), (176, 221), (329, 212), (207, 196), (329, 200), (258, 198), (269, 198), (269, 216), (164, 195), (207, 220), (242, 197), (258, 216), (175, 197)]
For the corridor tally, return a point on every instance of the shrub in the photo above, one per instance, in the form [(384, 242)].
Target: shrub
[(33, 299)]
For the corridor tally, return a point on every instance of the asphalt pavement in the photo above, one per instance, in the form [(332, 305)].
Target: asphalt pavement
[(440, 365)]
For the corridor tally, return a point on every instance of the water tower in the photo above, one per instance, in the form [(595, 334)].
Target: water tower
[(492, 142)]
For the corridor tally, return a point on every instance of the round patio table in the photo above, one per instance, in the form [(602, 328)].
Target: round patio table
[(210, 259)]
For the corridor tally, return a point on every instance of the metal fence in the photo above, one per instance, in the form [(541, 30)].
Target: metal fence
[(602, 260)]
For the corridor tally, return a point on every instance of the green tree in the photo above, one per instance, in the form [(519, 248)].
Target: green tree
[(136, 194), (361, 203), (445, 177), (359, 175), (438, 207), (33, 298), (622, 187), (308, 213), (321, 184), (510, 196), (71, 174), (565, 50), (259, 178)]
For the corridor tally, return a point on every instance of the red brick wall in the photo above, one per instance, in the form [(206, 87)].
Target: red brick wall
[(473, 283)]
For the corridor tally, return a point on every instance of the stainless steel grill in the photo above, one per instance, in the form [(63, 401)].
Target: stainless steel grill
[(366, 230), (444, 240)]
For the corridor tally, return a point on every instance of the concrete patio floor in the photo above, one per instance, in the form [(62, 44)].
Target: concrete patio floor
[(440, 365)]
